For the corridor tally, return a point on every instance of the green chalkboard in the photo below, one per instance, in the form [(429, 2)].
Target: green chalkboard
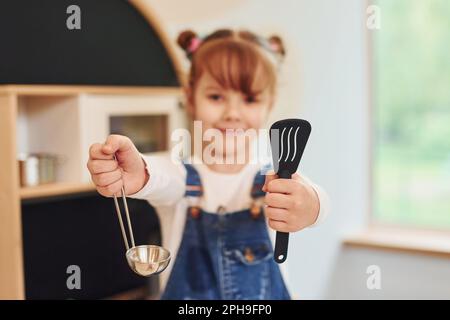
[(115, 45)]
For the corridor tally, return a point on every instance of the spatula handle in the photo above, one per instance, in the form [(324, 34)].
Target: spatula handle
[(281, 246), (282, 238)]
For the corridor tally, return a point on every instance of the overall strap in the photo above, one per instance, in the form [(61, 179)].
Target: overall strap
[(258, 181), (193, 183)]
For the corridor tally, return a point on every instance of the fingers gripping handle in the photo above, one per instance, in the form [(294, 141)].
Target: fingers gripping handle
[(282, 238)]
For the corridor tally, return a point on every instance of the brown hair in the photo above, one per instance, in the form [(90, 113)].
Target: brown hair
[(235, 59)]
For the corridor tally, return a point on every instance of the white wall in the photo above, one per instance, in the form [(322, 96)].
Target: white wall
[(325, 81), (403, 276)]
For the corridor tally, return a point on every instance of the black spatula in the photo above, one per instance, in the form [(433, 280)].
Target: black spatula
[(288, 140)]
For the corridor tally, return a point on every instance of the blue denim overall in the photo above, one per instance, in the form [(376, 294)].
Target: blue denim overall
[(224, 255)]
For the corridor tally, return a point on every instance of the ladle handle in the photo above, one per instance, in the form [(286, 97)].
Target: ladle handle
[(130, 229), (127, 213), (122, 228)]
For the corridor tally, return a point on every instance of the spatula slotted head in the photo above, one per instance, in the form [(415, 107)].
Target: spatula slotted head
[(288, 140)]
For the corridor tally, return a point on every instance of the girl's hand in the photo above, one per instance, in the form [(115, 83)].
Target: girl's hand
[(110, 175), (292, 204)]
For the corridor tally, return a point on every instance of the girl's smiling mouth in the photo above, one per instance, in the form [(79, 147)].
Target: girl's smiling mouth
[(231, 131)]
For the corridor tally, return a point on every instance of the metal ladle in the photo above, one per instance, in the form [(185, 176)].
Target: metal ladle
[(144, 260)]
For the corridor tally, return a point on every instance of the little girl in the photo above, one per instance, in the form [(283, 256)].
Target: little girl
[(215, 216)]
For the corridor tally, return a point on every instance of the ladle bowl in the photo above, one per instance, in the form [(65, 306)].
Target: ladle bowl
[(144, 260), (147, 260)]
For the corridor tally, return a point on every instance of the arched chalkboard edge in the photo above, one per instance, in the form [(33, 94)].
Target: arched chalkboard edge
[(155, 22)]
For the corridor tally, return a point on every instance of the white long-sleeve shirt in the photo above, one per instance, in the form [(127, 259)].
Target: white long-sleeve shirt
[(166, 188)]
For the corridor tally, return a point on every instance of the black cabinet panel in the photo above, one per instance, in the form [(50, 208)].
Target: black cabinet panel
[(82, 230)]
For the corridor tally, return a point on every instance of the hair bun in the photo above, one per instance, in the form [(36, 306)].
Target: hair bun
[(277, 45), (185, 38)]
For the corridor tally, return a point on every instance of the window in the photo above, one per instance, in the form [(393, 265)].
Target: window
[(148, 132), (411, 128)]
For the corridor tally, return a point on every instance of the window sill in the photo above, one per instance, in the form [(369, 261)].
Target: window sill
[(400, 240)]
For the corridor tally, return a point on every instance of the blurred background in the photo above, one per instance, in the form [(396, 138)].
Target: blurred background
[(373, 78), (377, 93)]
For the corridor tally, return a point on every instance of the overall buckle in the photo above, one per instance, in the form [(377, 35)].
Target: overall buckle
[(255, 210), (194, 211)]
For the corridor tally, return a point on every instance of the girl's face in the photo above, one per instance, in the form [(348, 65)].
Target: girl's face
[(222, 109)]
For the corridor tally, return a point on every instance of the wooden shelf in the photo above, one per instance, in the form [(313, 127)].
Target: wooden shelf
[(54, 189), (29, 110), (55, 90)]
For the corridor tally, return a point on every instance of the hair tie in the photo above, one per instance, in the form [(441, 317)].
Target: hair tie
[(194, 44), (275, 47)]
